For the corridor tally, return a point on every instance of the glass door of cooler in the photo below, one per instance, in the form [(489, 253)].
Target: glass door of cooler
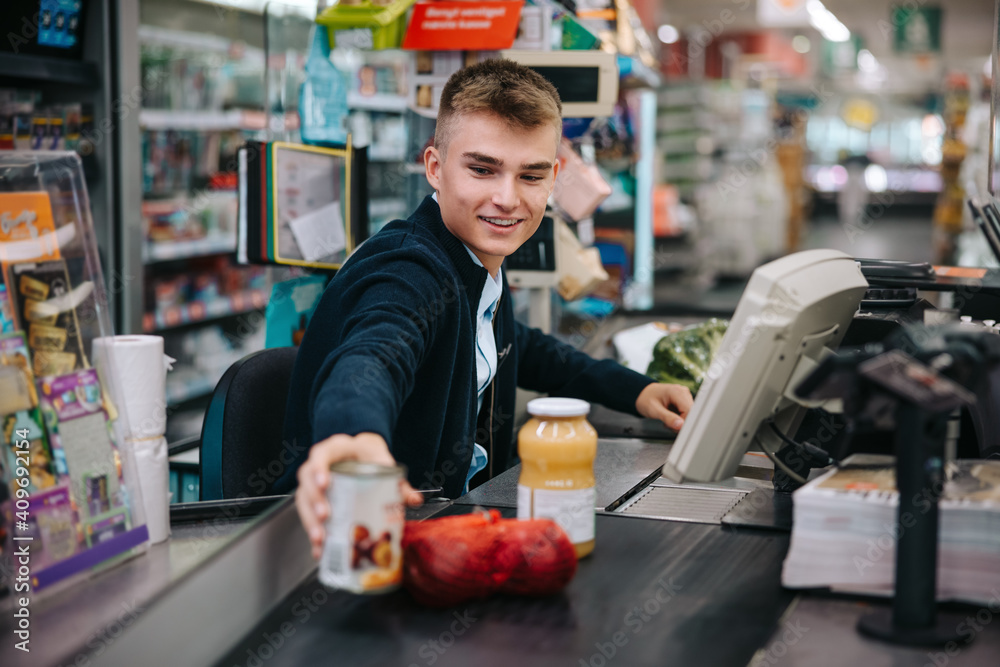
[(202, 74)]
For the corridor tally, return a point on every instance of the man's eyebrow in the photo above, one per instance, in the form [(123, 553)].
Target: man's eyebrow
[(537, 166), (482, 157)]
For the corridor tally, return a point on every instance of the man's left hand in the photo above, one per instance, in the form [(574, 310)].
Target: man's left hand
[(670, 403)]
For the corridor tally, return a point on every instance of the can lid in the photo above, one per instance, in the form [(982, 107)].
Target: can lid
[(365, 469), (558, 407)]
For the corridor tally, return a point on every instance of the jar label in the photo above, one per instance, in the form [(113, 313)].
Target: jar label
[(572, 510)]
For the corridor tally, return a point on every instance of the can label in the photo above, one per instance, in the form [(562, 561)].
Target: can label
[(573, 509), (362, 552)]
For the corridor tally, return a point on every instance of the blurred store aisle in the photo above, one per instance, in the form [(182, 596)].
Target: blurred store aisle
[(899, 233)]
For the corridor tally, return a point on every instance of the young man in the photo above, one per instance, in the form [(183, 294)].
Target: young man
[(413, 354)]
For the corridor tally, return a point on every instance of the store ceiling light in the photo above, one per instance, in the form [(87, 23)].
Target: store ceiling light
[(828, 25), (801, 44), (668, 34), (866, 61)]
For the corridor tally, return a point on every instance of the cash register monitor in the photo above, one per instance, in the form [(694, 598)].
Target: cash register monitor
[(793, 311)]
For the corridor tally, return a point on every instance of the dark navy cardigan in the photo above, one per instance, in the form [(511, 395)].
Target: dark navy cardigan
[(390, 349)]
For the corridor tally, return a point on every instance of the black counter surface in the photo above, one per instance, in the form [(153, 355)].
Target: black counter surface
[(652, 593)]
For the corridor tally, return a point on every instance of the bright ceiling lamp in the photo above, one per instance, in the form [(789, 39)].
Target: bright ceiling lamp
[(668, 34), (867, 62), (828, 25)]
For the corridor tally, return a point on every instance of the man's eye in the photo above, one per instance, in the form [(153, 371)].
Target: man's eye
[(480, 171), (533, 179)]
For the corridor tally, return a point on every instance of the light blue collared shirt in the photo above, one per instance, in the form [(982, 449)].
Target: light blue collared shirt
[(486, 354)]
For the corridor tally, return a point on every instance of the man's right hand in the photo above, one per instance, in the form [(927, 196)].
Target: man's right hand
[(314, 478)]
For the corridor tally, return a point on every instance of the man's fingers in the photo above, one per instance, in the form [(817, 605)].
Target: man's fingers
[(410, 497), (682, 400), (669, 419), (314, 529)]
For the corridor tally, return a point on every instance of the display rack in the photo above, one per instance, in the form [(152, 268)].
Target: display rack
[(68, 482)]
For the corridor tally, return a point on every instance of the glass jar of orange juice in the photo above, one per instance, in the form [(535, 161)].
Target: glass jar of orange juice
[(557, 447)]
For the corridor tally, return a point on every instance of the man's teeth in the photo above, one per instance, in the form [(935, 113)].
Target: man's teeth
[(503, 222)]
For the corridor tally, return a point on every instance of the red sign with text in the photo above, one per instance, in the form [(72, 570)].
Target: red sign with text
[(463, 25)]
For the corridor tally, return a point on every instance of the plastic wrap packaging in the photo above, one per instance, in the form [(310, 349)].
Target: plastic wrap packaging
[(154, 480), (139, 368)]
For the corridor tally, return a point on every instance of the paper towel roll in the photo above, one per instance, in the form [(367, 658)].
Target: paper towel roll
[(138, 372), (153, 470)]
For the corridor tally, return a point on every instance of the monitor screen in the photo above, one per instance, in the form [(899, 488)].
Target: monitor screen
[(794, 311), (575, 84)]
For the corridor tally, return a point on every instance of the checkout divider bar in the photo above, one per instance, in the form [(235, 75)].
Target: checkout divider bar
[(208, 612)]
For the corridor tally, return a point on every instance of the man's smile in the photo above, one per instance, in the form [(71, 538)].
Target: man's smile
[(501, 222)]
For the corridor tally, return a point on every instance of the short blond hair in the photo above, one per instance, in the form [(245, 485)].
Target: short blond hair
[(519, 95)]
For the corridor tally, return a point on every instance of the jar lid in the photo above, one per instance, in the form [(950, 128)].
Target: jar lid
[(558, 407)]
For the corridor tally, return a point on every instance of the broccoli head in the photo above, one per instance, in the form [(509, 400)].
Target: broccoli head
[(684, 357)]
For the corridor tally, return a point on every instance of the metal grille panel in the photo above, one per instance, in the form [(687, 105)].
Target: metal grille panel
[(679, 503)]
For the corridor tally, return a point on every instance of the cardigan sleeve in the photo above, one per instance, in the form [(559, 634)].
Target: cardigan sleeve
[(548, 365), (390, 315)]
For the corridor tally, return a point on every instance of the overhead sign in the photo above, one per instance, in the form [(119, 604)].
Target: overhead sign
[(779, 13), (464, 25), (917, 30)]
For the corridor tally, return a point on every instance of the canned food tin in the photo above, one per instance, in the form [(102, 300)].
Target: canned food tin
[(362, 552)]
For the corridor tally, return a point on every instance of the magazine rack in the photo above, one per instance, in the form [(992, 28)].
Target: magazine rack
[(69, 500)]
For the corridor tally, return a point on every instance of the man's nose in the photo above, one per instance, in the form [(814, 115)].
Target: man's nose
[(506, 195)]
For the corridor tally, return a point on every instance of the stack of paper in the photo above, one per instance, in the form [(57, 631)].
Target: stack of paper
[(846, 524)]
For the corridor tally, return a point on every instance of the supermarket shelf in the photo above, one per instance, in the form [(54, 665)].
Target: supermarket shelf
[(166, 251), (203, 311), (377, 102), (43, 68), (234, 119)]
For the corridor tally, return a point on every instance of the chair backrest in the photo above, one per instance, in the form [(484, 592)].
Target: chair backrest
[(241, 438)]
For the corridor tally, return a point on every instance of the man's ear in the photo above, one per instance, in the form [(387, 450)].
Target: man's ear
[(432, 167), (555, 174)]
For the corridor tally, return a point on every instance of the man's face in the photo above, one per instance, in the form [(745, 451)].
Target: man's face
[(493, 183)]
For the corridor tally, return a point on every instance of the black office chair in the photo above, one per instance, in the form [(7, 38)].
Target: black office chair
[(241, 437)]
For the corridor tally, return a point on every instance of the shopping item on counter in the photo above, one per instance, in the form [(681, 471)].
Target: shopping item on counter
[(137, 367), (685, 357), (453, 560), (45, 307)]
